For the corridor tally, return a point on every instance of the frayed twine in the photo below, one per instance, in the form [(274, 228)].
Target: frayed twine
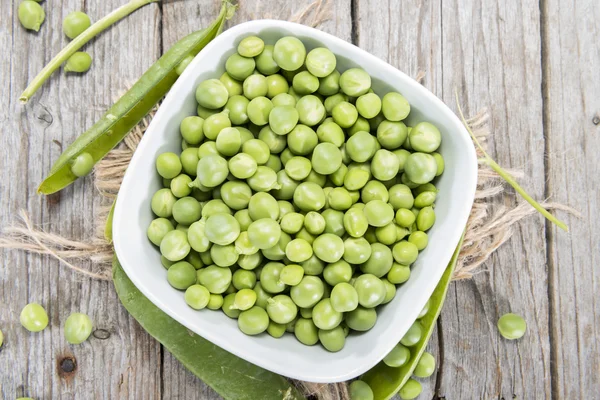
[(489, 226)]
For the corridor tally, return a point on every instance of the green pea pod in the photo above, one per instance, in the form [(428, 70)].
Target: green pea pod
[(386, 381), (109, 220), (132, 106), (230, 376)]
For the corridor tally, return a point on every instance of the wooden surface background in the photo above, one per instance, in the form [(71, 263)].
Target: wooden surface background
[(534, 64)]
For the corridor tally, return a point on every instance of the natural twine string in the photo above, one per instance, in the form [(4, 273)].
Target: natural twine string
[(489, 226)]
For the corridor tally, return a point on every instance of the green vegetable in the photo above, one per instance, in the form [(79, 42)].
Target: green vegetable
[(78, 328), (386, 381), (78, 62), (506, 176), (1, 338), (132, 106), (512, 326), (230, 376), (31, 15), (75, 23), (34, 318), (360, 390)]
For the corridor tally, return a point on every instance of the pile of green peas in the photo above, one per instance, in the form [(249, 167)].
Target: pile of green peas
[(300, 199)]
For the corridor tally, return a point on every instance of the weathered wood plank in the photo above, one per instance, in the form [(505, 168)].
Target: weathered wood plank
[(64, 108), (572, 129), (179, 19), (410, 38), (492, 55)]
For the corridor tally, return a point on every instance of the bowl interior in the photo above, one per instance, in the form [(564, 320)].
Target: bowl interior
[(286, 356)]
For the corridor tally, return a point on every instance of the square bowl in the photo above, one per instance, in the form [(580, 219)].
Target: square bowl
[(286, 356)]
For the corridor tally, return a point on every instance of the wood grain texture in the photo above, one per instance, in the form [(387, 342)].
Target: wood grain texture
[(533, 65), (31, 139), (572, 128)]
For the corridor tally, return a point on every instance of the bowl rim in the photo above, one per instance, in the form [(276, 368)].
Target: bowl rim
[(367, 58)]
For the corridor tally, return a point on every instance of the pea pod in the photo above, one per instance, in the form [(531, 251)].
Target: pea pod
[(386, 381), (132, 106), (109, 220), (230, 376)]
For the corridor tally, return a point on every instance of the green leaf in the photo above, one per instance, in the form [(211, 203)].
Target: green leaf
[(386, 381), (230, 376)]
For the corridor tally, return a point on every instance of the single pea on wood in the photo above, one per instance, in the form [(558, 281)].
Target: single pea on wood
[(294, 198)]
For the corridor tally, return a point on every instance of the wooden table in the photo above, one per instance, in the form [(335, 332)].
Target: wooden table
[(533, 64)]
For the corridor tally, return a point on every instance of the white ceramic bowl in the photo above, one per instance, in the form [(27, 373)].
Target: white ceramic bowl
[(287, 356)]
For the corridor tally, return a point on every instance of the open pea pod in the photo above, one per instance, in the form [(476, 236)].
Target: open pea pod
[(132, 106), (386, 381), (230, 376)]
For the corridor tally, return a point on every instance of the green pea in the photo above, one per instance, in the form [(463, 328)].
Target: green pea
[(305, 83), (360, 390), (191, 129), (197, 297), (308, 292), (320, 62), (425, 218), (224, 256), (168, 165), (187, 210), (333, 100), (420, 168), (215, 302), (228, 307), (298, 167), (334, 222), (275, 142), (371, 290), (355, 82), (330, 84), (253, 321), (289, 53), (239, 67), (250, 46), (194, 258), (298, 250), (157, 230), (78, 328), (397, 357), (276, 84), (395, 107), (337, 178), (384, 165), (401, 197), (405, 252), (75, 23), (281, 309), (331, 132), (212, 170), (292, 274), (258, 150), (215, 279), (214, 124), (34, 317), (333, 339), (263, 180), (425, 137), (356, 250), (276, 330), (512, 326), (361, 146), (309, 197), (411, 390), (287, 186), (344, 114), (413, 335), (265, 64), (283, 99), (222, 228), (237, 195), (82, 165), (314, 265), (378, 213), (212, 94), (419, 239), (181, 275), (404, 217), (306, 331), (255, 86), (31, 15), (338, 272), (426, 366), (368, 105), (326, 158), (244, 299), (242, 166), (277, 252), (439, 160), (234, 87), (361, 319), (328, 247), (292, 223), (264, 233), (243, 246), (379, 260), (310, 110), (344, 297), (283, 119), (174, 245), (79, 62), (237, 106)]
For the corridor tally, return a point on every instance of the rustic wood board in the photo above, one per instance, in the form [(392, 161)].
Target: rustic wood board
[(534, 65)]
